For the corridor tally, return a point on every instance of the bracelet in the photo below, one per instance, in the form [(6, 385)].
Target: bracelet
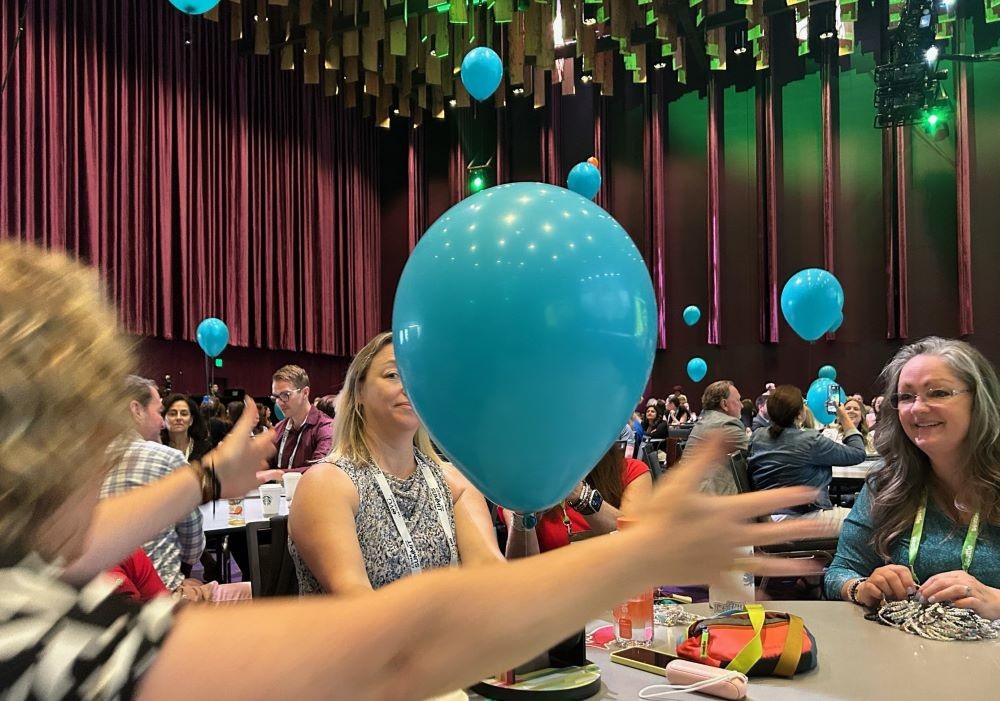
[(582, 499), (852, 593)]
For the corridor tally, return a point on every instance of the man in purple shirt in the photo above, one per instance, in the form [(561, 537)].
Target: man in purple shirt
[(305, 434)]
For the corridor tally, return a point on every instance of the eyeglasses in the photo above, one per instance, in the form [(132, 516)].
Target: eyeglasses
[(931, 397), (286, 395)]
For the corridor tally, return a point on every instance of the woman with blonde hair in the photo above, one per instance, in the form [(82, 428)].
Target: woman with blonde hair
[(384, 505), (928, 522), (63, 363)]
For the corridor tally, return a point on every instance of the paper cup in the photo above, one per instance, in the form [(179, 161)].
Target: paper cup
[(291, 482), (270, 499)]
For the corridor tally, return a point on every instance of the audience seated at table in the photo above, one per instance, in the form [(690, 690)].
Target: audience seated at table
[(141, 459), (64, 363), (342, 533), (928, 521), (678, 411), (654, 426), (855, 410), (613, 488), (185, 428), (782, 455), (721, 407)]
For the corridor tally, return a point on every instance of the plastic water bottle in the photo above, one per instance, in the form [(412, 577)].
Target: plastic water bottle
[(734, 588)]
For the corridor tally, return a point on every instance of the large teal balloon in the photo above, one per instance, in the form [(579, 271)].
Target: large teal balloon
[(519, 303), (819, 392), (194, 7), (482, 71), (696, 369), (828, 371), (213, 336), (584, 179), (691, 315), (812, 302)]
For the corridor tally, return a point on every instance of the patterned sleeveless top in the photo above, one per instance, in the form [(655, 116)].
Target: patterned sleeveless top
[(381, 546)]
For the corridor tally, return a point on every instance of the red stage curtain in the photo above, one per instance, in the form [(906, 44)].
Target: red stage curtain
[(201, 182)]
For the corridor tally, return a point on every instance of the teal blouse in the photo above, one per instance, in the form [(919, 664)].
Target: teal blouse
[(940, 549)]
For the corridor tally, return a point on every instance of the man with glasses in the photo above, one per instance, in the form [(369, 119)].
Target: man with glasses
[(305, 435)]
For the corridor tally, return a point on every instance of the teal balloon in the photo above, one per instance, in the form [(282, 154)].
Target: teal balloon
[(819, 392), (829, 372), (482, 71), (194, 7), (213, 336), (696, 369), (812, 301), (691, 315), (522, 298), (584, 179)]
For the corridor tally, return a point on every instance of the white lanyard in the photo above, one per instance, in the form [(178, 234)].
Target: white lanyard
[(295, 448), (437, 499)]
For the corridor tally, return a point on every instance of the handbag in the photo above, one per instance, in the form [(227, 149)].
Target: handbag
[(754, 642)]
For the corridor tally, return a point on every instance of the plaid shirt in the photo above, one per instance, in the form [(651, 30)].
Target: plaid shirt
[(144, 462)]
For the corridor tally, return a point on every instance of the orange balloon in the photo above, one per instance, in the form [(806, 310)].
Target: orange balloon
[(594, 162)]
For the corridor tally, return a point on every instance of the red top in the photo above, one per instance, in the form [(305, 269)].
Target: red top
[(137, 578), (551, 530)]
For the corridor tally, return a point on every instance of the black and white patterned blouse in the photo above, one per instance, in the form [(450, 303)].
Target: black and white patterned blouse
[(381, 545), (58, 642)]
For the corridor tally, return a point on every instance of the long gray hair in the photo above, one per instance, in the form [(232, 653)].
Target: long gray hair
[(898, 488)]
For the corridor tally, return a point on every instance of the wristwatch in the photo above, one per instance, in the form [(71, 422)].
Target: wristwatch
[(524, 522), (589, 503)]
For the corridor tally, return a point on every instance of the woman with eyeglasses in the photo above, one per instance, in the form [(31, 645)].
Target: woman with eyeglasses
[(927, 524), (185, 428), (613, 488)]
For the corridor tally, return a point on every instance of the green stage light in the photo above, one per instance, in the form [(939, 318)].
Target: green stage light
[(932, 120), (478, 179), (218, 362)]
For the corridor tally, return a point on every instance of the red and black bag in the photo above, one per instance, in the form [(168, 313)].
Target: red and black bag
[(756, 642)]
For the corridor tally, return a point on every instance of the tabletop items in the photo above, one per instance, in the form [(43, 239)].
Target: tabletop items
[(940, 621)]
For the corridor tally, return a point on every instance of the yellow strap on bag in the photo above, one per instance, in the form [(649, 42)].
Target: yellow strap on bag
[(754, 649)]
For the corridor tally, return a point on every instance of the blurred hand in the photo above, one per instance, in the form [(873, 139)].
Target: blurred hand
[(239, 457), (265, 476), (964, 591), (890, 582), (692, 536)]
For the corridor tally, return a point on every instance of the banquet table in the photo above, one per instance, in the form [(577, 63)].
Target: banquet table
[(859, 471), (858, 660)]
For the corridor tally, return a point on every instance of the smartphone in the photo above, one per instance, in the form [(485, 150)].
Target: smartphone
[(644, 658), (832, 398)]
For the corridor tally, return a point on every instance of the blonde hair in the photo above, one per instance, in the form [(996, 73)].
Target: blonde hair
[(292, 374), (63, 366), (349, 429)]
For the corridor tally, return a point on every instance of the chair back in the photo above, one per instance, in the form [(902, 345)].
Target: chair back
[(740, 470), (272, 570)]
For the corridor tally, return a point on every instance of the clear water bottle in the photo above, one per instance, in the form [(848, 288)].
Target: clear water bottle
[(734, 588), (633, 618)]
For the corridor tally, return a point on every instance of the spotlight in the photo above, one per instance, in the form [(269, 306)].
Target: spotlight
[(453, 103), (741, 43), (434, 53), (827, 35), (590, 13), (479, 178), (395, 110), (586, 77), (519, 90), (660, 65), (931, 55)]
